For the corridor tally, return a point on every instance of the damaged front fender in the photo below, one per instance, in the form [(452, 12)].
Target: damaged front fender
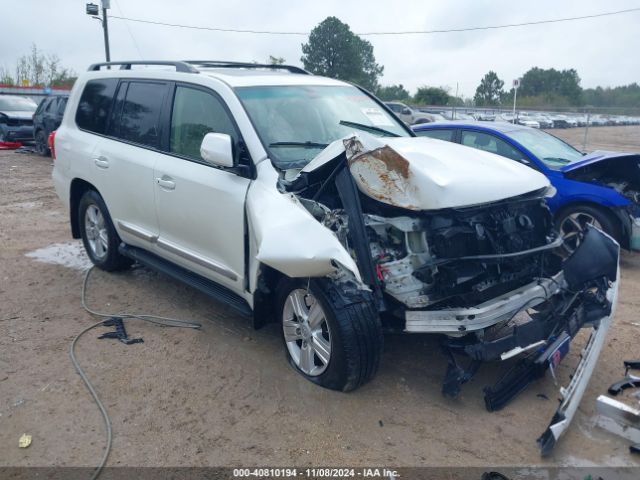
[(287, 237)]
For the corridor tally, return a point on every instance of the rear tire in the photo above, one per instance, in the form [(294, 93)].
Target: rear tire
[(41, 144), (336, 328), (98, 234)]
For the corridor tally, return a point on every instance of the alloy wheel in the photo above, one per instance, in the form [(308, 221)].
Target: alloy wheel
[(96, 231), (306, 332), (573, 226)]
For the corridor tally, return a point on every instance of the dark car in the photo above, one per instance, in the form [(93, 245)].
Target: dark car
[(47, 118), (16, 123), (600, 188)]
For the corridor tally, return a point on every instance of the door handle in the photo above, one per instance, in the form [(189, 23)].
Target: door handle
[(101, 162), (166, 183)]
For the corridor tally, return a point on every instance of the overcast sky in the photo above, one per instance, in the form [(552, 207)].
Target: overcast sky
[(604, 50)]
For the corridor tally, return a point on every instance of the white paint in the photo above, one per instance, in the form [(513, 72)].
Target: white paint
[(68, 254)]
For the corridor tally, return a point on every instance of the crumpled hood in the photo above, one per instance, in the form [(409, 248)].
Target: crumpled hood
[(20, 115), (420, 173), (595, 157)]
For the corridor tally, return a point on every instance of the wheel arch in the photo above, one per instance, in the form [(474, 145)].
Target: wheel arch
[(77, 189)]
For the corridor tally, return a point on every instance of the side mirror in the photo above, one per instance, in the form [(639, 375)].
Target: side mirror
[(406, 111), (216, 149)]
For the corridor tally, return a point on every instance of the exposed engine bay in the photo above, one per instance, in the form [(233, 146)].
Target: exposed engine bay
[(466, 270), (620, 173)]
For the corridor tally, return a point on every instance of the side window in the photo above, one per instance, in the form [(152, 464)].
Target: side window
[(196, 113), (42, 106), (95, 103), (62, 104), (140, 118), (490, 143), (51, 105), (395, 107), (438, 134)]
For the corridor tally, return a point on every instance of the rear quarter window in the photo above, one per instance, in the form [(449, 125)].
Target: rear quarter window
[(95, 105)]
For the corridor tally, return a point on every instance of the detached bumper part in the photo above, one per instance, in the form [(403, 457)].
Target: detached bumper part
[(597, 255)]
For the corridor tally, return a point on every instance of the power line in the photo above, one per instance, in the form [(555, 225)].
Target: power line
[(411, 32), (129, 30)]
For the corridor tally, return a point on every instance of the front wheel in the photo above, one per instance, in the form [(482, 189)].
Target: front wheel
[(332, 335), (572, 222), (98, 234)]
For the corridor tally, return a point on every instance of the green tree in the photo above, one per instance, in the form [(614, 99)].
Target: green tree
[(431, 96), (40, 69), (490, 91), (549, 84), (393, 92), (335, 51)]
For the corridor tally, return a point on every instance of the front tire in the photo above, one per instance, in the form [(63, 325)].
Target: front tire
[(572, 221), (332, 334), (98, 234)]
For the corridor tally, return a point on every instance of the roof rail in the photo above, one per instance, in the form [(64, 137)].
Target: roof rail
[(180, 66), (225, 64)]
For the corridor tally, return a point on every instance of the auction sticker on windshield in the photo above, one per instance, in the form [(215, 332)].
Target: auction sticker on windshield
[(377, 117)]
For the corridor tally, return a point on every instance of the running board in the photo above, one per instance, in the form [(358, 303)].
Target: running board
[(206, 286)]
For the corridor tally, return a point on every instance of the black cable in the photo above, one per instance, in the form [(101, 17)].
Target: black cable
[(410, 32), (155, 319)]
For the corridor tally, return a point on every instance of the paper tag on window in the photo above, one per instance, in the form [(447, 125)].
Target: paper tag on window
[(377, 117)]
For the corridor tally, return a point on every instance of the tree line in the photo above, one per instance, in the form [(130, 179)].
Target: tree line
[(37, 69)]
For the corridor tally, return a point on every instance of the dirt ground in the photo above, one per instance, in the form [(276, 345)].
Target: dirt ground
[(225, 396)]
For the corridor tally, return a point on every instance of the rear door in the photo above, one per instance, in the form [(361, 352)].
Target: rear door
[(126, 157), (200, 208)]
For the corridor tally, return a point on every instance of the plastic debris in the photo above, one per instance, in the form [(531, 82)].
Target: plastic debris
[(25, 441)]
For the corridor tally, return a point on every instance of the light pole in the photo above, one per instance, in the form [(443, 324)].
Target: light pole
[(516, 84), (93, 10)]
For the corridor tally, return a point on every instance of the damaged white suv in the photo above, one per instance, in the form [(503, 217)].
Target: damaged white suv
[(305, 201)]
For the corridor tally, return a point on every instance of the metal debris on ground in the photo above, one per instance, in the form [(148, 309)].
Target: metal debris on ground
[(120, 332)]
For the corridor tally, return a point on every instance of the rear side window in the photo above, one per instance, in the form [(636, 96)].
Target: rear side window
[(439, 134), (95, 103), (196, 113), (490, 143), (140, 118), (62, 104)]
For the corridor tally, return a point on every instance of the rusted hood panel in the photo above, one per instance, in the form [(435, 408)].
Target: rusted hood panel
[(426, 174)]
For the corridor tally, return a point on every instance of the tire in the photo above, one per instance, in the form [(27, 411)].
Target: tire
[(41, 144), (99, 237), (347, 321), (571, 221)]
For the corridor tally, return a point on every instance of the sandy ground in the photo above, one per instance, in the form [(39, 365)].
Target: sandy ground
[(225, 395)]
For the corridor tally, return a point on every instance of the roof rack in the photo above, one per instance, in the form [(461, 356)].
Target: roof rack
[(224, 64), (180, 66)]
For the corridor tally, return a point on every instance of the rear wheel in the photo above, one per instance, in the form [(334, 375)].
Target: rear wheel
[(99, 237), (572, 222), (333, 337), (41, 144)]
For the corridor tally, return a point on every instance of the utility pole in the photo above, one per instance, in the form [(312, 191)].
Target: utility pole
[(105, 5), (93, 11), (516, 84)]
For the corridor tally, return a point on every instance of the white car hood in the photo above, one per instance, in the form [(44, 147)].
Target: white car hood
[(419, 173)]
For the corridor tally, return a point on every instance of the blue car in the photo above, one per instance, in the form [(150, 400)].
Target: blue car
[(600, 188)]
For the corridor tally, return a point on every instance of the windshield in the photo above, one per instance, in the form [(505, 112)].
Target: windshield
[(296, 122), (17, 104), (551, 150)]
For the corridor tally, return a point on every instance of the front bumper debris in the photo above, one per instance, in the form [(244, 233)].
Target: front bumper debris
[(582, 296)]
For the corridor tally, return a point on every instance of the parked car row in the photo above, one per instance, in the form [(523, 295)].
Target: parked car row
[(546, 120), (22, 120)]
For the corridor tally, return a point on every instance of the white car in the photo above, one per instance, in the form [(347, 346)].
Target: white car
[(408, 114), (301, 200)]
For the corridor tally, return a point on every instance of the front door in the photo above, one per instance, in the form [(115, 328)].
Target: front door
[(200, 208)]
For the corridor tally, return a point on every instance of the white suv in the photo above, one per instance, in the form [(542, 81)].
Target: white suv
[(303, 200)]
